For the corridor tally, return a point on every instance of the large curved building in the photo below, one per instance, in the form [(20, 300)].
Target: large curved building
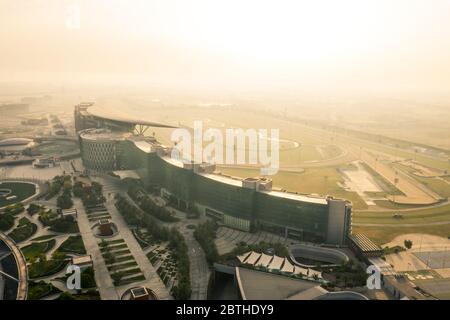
[(245, 204)]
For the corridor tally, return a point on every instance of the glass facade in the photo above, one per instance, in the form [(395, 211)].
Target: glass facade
[(244, 208)]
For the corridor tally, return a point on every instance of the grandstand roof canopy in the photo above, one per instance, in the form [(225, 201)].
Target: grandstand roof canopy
[(107, 114), (364, 243)]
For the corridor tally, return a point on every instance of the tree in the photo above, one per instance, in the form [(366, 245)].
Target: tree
[(408, 244), (64, 201)]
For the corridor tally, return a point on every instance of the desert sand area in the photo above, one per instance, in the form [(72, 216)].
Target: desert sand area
[(421, 242), (426, 264), (412, 192)]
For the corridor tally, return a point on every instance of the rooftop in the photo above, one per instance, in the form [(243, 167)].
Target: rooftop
[(297, 196), (81, 260), (115, 115), (103, 134), (257, 285)]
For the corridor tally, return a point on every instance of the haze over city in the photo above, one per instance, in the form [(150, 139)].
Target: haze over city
[(224, 151), (333, 45)]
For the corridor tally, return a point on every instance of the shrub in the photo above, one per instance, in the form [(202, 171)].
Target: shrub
[(6, 222), (205, 234), (64, 201)]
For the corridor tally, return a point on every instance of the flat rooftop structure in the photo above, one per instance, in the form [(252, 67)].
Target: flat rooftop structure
[(69, 212), (103, 134), (296, 196), (238, 182), (81, 261), (257, 285), (223, 179)]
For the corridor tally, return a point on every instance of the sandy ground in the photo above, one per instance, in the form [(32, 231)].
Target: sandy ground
[(407, 261), (414, 194), (361, 181)]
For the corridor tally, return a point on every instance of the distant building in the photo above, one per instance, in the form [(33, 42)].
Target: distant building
[(44, 163), (14, 108)]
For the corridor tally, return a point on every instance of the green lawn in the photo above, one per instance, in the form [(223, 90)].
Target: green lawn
[(122, 266), (23, 231), (313, 180), (22, 190), (41, 289), (46, 268), (6, 221), (435, 214), (65, 225), (73, 244), (33, 250), (438, 185), (46, 237)]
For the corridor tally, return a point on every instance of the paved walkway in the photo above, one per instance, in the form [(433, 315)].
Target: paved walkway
[(104, 281), (152, 278), (199, 269)]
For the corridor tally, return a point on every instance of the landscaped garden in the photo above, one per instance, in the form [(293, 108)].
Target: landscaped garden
[(145, 202), (205, 235), (73, 244), (23, 231), (51, 219), (88, 295), (36, 249), (16, 191), (41, 289), (120, 262), (44, 268), (6, 221), (175, 276)]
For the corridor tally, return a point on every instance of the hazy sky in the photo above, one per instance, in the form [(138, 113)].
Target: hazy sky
[(353, 43)]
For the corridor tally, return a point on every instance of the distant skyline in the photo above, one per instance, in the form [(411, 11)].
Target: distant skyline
[(349, 44)]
